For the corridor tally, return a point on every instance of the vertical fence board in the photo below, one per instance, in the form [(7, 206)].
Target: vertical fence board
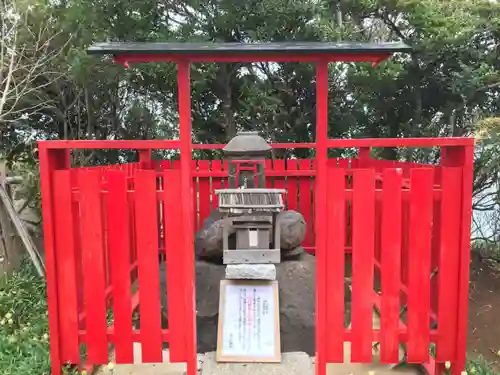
[(66, 267), (133, 234), (335, 262), (174, 277), (225, 170), (149, 271), (204, 190), (435, 250), (119, 251), (279, 181), (305, 199), (312, 218), (93, 264), (419, 259), (344, 163), (194, 167), (269, 180), (391, 264), (362, 264), (216, 183), (77, 246), (107, 263), (449, 263), (164, 164), (291, 165)]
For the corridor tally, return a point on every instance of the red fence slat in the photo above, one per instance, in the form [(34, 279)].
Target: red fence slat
[(194, 167), (419, 260), (119, 251), (174, 270), (280, 182), (66, 270), (449, 263), (362, 264), (344, 163), (133, 236), (391, 264), (291, 165), (78, 246), (93, 264), (336, 227), (204, 191), (149, 271), (305, 199), (268, 167), (216, 183)]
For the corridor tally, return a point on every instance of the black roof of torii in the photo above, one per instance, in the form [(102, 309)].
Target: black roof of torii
[(284, 48)]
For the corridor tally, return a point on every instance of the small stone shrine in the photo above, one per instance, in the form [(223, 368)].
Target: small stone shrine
[(250, 215)]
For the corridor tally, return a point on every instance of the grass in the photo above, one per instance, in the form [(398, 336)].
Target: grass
[(24, 333), (24, 345), (479, 366)]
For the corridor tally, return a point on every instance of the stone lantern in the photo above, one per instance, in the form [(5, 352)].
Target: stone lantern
[(246, 154)]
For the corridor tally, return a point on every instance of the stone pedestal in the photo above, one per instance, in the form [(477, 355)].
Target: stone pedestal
[(250, 272)]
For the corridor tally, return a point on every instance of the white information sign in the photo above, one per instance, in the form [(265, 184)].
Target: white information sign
[(248, 322)]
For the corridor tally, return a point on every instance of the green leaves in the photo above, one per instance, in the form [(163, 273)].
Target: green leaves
[(24, 346)]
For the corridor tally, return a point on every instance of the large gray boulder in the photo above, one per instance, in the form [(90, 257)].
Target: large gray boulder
[(208, 240), (292, 229), (297, 303)]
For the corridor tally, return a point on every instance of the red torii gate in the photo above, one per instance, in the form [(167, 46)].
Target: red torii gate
[(457, 153)]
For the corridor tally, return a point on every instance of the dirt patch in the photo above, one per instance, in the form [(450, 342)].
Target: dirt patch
[(484, 311)]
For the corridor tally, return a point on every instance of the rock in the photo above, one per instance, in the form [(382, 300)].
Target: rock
[(297, 303), (292, 229), (251, 271), (208, 241), (297, 288)]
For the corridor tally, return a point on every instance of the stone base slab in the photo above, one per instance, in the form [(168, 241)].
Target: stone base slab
[(251, 272)]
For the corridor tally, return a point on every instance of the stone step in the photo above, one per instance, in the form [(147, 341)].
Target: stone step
[(291, 364), (297, 364)]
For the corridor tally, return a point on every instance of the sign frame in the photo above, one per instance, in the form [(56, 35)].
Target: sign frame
[(220, 356)]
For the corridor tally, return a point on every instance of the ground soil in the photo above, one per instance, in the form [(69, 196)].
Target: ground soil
[(484, 311)]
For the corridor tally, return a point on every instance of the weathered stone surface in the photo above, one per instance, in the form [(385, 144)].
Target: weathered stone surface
[(291, 364), (297, 302), (208, 241), (292, 229), (251, 271), (252, 256)]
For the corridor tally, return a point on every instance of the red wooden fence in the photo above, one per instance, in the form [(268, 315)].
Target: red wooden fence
[(107, 230), (297, 176), (115, 220), (406, 225)]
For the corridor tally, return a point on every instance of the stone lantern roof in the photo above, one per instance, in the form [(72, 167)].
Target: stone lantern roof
[(247, 144)]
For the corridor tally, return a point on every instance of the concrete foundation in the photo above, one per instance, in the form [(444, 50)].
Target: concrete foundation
[(293, 363)]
